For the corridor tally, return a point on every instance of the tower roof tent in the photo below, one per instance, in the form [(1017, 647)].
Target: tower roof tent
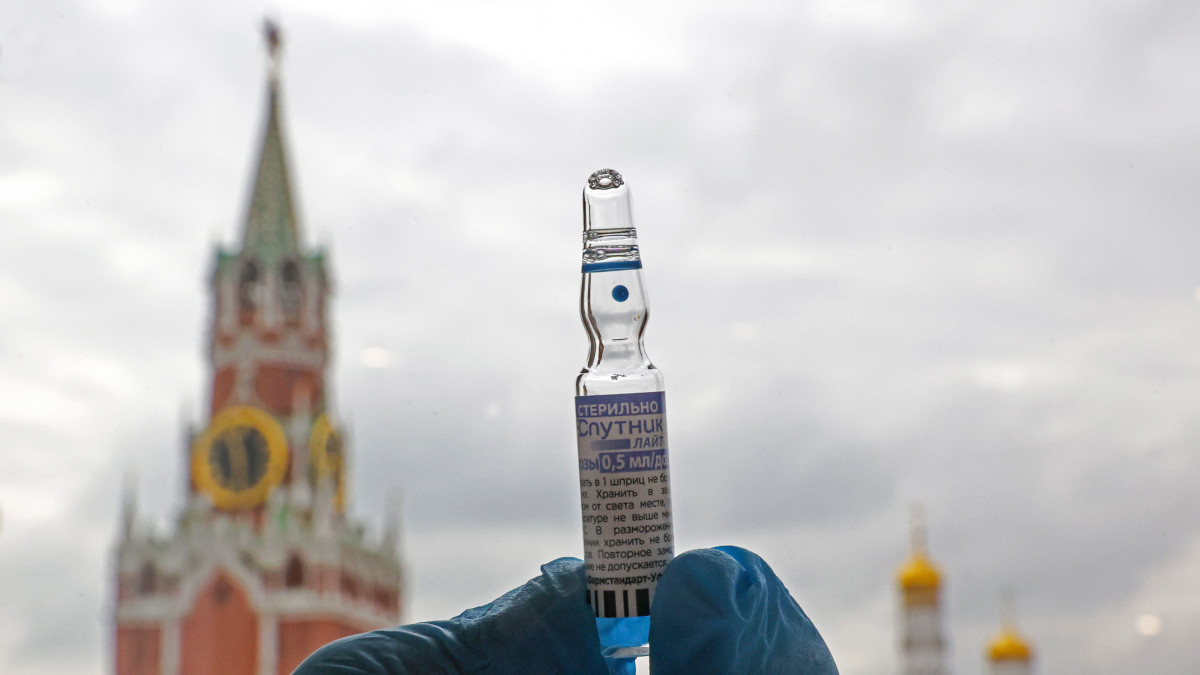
[(271, 230)]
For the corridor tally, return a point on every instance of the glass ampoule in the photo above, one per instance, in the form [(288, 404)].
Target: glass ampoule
[(624, 478)]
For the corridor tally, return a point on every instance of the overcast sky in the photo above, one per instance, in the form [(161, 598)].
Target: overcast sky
[(897, 251)]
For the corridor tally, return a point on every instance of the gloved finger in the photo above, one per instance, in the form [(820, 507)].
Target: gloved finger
[(544, 626), (724, 611), (417, 648)]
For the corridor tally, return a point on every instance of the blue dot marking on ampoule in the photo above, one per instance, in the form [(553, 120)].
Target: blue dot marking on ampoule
[(620, 293)]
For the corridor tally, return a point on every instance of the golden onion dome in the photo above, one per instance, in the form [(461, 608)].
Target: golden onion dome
[(919, 572), (1008, 645)]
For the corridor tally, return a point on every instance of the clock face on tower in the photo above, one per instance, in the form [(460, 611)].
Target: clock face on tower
[(325, 451), (240, 458)]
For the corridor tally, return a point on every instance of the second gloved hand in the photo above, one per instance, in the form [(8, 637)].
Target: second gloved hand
[(723, 610)]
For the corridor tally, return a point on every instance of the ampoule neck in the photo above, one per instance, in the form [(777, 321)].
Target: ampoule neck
[(609, 238)]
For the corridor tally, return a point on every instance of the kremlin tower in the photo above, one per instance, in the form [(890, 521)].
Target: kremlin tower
[(922, 646), (262, 566)]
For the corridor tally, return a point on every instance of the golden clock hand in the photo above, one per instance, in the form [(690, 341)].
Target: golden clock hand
[(239, 460)]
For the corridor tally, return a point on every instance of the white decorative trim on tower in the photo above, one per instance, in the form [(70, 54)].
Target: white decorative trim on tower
[(268, 643), (171, 641)]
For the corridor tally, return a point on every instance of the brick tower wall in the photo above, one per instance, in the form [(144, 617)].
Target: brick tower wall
[(220, 636)]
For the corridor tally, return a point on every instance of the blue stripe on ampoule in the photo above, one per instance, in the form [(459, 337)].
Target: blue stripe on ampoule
[(612, 266)]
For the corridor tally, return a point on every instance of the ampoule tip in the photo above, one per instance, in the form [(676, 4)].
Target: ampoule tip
[(605, 179)]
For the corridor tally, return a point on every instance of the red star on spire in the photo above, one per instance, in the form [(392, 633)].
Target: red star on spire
[(274, 41)]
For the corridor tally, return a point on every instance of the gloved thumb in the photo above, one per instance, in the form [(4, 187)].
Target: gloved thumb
[(725, 611)]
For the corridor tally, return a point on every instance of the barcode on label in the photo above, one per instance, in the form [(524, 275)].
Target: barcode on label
[(614, 604)]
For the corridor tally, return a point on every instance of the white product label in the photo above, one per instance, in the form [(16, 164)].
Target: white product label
[(625, 493)]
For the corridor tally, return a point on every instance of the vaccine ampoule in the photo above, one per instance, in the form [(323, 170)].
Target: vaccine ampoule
[(620, 408)]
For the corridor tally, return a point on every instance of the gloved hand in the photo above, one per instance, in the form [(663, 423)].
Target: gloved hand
[(715, 611), (723, 610)]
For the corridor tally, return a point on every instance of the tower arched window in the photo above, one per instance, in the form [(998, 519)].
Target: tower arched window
[(248, 291), (148, 579), (293, 294), (293, 576), (349, 584)]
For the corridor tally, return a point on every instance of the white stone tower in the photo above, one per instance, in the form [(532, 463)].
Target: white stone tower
[(1009, 653), (922, 647)]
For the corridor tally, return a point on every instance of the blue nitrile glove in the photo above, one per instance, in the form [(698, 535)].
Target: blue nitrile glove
[(544, 626), (723, 610), (715, 611)]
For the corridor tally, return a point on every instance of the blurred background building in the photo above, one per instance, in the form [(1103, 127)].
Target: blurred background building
[(922, 646), (922, 641), (1009, 653), (262, 566)]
